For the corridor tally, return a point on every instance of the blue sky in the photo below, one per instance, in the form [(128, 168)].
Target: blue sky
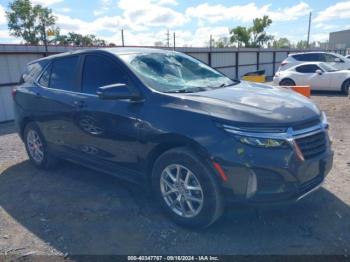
[(146, 21)]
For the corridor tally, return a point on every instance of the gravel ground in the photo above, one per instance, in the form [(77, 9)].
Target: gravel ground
[(73, 210)]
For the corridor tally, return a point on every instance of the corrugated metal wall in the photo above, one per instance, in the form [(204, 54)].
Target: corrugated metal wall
[(232, 62)]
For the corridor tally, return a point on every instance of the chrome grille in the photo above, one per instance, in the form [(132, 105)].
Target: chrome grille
[(313, 145)]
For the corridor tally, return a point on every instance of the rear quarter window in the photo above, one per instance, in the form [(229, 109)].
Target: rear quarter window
[(32, 71)]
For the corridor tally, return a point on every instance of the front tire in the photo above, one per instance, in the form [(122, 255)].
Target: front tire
[(186, 189), (346, 87), (37, 148)]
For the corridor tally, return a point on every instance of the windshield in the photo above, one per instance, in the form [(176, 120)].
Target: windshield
[(328, 68), (175, 72)]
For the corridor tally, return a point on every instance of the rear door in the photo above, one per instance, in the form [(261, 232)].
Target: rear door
[(108, 129), (306, 75), (59, 86)]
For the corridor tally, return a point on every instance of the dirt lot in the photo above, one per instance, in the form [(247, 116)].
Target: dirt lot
[(73, 210)]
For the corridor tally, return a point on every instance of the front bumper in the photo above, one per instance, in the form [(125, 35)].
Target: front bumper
[(254, 184)]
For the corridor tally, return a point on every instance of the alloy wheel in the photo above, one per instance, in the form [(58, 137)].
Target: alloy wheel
[(181, 191), (35, 146)]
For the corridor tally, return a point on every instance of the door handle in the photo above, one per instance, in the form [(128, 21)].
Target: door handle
[(79, 103)]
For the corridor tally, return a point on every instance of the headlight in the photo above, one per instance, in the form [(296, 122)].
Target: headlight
[(259, 136), (324, 120), (261, 142)]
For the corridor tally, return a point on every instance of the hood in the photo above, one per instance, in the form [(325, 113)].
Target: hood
[(254, 103)]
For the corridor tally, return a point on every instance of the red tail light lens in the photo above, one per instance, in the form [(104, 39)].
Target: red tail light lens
[(14, 91)]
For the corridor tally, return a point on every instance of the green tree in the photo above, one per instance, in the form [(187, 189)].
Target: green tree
[(30, 22), (254, 36), (222, 42), (241, 36), (159, 44), (79, 40), (282, 43), (302, 44)]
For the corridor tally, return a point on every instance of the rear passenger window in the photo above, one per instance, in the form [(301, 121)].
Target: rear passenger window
[(63, 73), (100, 71), (307, 69)]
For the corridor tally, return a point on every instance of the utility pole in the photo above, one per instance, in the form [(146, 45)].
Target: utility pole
[(308, 31), (45, 39), (123, 37), (174, 42), (210, 42), (168, 38)]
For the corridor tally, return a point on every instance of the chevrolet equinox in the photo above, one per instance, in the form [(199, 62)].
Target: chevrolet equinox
[(175, 125)]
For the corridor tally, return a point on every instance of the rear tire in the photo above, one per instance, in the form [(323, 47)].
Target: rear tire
[(37, 148), (287, 82), (195, 202)]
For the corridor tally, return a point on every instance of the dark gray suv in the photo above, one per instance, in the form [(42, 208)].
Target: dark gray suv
[(174, 125)]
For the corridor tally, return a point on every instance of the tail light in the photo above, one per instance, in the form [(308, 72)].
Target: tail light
[(14, 91)]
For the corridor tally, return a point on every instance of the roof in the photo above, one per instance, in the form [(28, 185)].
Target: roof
[(311, 52), (114, 50)]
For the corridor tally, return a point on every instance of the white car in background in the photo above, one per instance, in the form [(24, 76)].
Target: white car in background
[(336, 60), (319, 75)]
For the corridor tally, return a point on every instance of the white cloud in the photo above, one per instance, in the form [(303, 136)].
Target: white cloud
[(46, 2), (65, 9), (105, 5), (322, 37), (326, 26), (2, 15), (290, 13), (245, 13), (340, 10), (5, 36), (147, 13), (106, 23), (166, 2)]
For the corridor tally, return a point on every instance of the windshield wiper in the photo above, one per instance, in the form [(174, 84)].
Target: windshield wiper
[(227, 85), (187, 90)]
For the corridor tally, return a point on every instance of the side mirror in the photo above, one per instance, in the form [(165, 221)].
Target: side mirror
[(319, 71), (338, 60), (117, 92)]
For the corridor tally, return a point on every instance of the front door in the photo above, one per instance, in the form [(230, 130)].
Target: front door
[(108, 128), (308, 75)]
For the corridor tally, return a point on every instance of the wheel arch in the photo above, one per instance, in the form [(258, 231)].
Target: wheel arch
[(22, 125), (172, 142), (343, 84)]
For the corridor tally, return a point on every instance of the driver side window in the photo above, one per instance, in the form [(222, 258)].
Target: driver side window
[(100, 71)]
